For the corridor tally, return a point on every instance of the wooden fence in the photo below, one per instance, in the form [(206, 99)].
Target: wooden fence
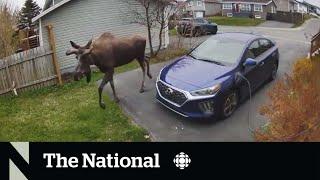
[(289, 17), (31, 69), (315, 45)]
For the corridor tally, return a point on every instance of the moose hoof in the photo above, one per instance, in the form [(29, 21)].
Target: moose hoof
[(102, 105), (141, 91), (150, 76)]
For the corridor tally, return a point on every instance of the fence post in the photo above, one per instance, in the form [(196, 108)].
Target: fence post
[(54, 55), (8, 72)]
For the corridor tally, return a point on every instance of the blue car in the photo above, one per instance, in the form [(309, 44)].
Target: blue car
[(213, 78)]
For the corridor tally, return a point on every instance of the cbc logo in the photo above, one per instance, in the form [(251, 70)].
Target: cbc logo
[(182, 160)]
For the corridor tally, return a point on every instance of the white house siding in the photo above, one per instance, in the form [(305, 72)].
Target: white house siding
[(80, 20)]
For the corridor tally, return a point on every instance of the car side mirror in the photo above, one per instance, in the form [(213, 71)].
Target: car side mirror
[(250, 62)]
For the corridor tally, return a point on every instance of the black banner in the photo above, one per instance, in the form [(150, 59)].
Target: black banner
[(163, 160)]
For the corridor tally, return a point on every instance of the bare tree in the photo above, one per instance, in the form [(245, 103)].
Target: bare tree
[(144, 14), (164, 10), (8, 19), (154, 14)]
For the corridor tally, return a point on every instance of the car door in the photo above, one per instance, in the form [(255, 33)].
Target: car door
[(267, 58), (253, 73)]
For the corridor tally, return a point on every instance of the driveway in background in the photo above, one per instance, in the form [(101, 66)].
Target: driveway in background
[(276, 24)]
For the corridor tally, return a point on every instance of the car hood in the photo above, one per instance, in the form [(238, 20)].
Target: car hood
[(189, 74)]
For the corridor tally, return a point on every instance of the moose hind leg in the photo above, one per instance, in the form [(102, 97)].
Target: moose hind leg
[(103, 83), (116, 99), (142, 64), (148, 68), (107, 77)]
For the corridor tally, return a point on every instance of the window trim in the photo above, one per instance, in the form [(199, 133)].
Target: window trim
[(246, 9), (256, 9), (273, 9), (225, 7)]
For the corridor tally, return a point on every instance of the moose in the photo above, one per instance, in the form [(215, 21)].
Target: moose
[(108, 52)]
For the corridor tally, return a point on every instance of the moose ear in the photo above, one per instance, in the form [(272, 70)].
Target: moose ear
[(89, 44), (74, 45)]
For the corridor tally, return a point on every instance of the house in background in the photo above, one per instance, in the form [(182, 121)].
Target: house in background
[(195, 8), (248, 8), (81, 20), (291, 6), (283, 5), (298, 6), (213, 7), (301, 6)]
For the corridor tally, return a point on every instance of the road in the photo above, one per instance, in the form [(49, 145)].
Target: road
[(165, 125)]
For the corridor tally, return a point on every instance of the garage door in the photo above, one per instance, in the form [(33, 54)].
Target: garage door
[(199, 14)]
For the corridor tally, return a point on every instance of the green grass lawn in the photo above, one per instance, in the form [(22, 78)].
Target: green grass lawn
[(69, 113), (235, 21)]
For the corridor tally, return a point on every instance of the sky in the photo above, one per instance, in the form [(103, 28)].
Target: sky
[(19, 3)]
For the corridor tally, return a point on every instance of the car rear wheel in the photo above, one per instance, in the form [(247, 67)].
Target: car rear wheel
[(229, 105), (197, 32)]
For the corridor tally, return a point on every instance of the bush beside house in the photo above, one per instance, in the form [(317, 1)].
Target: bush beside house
[(293, 112)]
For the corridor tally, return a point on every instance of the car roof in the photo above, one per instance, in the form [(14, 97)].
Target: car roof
[(239, 36)]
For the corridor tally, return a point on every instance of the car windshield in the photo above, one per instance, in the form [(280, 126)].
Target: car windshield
[(219, 50)]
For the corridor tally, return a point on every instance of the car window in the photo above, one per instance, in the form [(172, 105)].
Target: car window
[(253, 50), (265, 45), (219, 49), (199, 20)]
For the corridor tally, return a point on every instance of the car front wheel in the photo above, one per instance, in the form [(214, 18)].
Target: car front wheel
[(229, 106)]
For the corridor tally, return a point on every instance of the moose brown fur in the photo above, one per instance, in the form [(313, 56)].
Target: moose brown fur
[(108, 52)]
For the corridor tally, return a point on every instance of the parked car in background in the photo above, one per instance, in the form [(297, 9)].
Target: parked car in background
[(196, 27), (211, 80)]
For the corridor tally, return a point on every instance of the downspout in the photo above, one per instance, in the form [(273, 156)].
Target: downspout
[(40, 33)]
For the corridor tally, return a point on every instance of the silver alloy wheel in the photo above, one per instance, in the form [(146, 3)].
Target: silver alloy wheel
[(230, 104), (274, 71)]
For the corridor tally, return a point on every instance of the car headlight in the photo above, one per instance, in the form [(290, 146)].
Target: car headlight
[(207, 91)]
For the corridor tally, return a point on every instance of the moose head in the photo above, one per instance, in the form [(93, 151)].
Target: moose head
[(83, 55)]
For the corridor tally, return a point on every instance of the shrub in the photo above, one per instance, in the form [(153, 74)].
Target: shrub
[(8, 40), (294, 110)]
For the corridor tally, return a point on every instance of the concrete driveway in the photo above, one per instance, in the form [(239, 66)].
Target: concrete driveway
[(165, 125)]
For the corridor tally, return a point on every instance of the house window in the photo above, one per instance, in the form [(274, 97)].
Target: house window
[(227, 6), (273, 9), (199, 3), (245, 7), (258, 7)]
